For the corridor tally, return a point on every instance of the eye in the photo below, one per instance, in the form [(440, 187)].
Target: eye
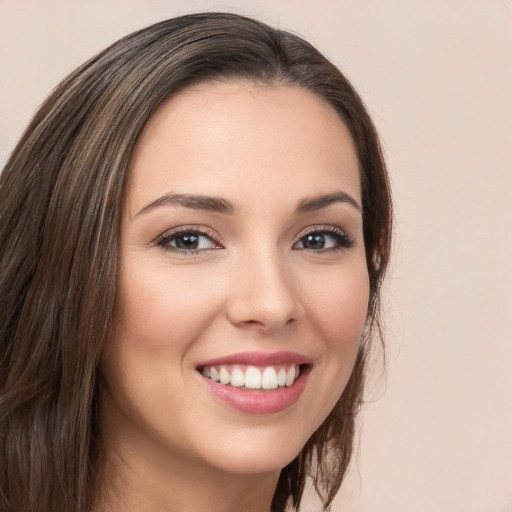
[(324, 239), (187, 241)]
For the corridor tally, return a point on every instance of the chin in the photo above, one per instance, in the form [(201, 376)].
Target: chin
[(257, 450), (258, 460)]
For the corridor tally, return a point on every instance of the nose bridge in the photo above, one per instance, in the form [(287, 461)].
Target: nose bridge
[(263, 291)]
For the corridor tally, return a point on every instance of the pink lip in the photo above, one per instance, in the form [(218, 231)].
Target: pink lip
[(259, 401), (259, 359)]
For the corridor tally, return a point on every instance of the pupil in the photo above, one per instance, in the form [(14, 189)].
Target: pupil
[(314, 241), (188, 241)]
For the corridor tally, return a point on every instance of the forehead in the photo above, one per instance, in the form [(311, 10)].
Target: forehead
[(232, 138)]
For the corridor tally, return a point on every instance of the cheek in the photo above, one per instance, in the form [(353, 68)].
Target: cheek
[(161, 309), (339, 314), (159, 316), (340, 311)]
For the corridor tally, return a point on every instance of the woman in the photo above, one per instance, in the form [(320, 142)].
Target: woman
[(194, 228)]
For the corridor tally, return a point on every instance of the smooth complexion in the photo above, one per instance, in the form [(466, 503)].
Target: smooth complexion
[(274, 264)]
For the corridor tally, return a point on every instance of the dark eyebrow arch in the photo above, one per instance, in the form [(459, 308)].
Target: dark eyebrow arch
[(196, 202), (310, 204)]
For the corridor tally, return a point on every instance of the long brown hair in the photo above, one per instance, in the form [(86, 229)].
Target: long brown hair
[(60, 200)]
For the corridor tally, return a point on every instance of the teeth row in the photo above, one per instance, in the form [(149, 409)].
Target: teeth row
[(252, 377)]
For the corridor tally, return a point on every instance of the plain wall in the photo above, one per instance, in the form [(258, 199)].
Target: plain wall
[(437, 77)]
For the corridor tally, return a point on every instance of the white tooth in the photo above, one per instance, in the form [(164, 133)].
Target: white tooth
[(281, 377), (224, 376), (237, 377), (290, 376), (206, 372), (214, 374), (297, 372), (252, 378), (269, 378)]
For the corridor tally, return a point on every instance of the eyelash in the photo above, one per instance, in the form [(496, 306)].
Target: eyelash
[(342, 240), (165, 240)]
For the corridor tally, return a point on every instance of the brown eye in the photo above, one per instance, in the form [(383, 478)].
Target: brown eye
[(313, 241), (324, 240), (187, 241)]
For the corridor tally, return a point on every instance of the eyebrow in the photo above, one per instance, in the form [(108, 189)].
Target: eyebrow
[(220, 205), (196, 202), (310, 204)]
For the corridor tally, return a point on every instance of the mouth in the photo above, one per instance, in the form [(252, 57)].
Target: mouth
[(250, 377), (257, 383)]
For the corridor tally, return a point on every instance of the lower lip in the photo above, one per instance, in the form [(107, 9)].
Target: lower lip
[(258, 401)]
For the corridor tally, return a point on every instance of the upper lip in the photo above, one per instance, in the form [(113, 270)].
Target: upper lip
[(259, 359)]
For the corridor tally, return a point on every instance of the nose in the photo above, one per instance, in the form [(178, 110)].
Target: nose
[(263, 293)]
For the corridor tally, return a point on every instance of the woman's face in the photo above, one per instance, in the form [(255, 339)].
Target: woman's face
[(242, 261)]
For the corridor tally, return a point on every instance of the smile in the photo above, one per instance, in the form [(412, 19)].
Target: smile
[(252, 377), (257, 383)]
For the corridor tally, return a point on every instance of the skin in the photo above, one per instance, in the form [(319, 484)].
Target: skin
[(254, 285)]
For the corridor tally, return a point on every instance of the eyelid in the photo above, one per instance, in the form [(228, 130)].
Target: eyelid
[(321, 228)]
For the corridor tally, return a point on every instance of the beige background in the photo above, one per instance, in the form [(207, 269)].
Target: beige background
[(437, 77)]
